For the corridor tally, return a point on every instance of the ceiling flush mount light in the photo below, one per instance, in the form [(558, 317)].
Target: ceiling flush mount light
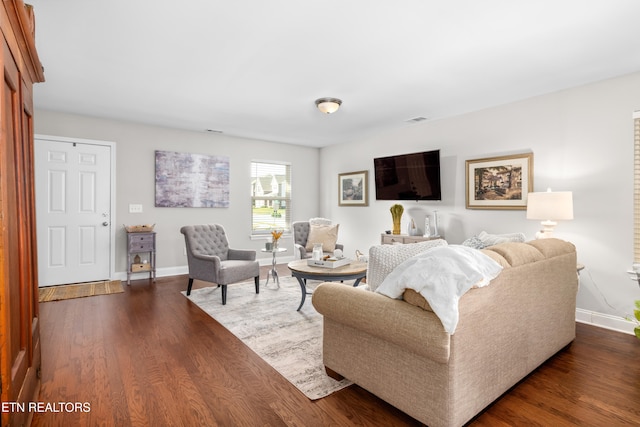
[(328, 105)]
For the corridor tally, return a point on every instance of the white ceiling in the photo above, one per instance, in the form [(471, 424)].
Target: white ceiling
[(253, 68)]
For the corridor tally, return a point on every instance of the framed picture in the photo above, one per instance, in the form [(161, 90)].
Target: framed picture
[(499, 182), (353, 189), (186, 180)]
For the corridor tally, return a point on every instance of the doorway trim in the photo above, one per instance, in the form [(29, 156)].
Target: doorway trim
[(112, 187)]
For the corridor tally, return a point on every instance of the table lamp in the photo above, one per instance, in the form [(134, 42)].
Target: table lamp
[(549, 206)]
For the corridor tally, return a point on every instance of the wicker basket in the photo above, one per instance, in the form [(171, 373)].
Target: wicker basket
[(139, 228)]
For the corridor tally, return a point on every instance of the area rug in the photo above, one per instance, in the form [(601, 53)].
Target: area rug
[(79, 290), (268, 323)]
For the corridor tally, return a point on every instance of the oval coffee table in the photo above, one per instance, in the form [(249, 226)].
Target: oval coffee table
[(300, 270)]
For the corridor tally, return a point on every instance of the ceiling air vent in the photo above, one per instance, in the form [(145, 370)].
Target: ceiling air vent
[(416, 120)]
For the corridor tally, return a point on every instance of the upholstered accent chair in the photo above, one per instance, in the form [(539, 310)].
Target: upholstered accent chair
[(320, 230), (210, 259)]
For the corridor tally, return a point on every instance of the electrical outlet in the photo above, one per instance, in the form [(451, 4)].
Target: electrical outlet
[(135, 208)]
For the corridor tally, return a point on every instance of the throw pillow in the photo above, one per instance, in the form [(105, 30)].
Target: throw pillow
[(383, 259), (325, 234), (485, 239), (474, 242), (319, 221), (494, 239)]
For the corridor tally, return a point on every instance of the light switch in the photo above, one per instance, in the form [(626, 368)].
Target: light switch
[(135, 208)]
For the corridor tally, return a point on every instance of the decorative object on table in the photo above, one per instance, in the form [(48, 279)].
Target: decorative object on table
[(435, 224), (427, 227), (275, 237), (186, 180), (317, 253), (412, 230), (361, 257), (396, 214), (353, 189), (337, 254), (145, 228), (550, 207), (329, 262), (268, 246), (499, 182)]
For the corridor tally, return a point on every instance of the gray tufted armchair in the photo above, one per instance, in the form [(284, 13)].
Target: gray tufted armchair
[(300, 237), (210, 258)]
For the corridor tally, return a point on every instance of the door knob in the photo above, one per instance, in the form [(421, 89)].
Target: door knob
[(105, 223)]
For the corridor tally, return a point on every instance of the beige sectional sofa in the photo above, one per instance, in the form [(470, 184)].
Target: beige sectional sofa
[(399, 350)]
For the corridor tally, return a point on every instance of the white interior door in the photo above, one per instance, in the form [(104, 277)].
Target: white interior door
[(73, 211)]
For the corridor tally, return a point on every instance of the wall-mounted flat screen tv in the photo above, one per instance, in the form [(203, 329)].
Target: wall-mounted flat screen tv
[(414, 176)]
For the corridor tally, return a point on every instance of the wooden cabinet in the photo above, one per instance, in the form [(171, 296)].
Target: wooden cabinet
[(391, 239), (141, 243), (19, 323)]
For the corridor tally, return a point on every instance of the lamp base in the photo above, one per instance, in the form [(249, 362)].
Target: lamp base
[(547, 229)]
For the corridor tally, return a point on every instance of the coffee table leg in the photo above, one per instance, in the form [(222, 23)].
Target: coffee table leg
[(303, 289)]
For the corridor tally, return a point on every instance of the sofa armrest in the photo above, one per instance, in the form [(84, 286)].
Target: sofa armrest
[(392, 320), (242, 254)]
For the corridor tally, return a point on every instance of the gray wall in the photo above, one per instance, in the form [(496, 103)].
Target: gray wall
[(582, 140), (135, 181)]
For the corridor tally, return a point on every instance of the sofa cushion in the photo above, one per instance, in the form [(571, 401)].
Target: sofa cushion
[(383, 259), (325, 234)]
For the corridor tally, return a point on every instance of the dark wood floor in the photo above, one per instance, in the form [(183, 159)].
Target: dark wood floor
[(149, 357)]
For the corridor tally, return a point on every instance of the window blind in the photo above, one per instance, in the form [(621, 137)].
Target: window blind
[(636, 187)]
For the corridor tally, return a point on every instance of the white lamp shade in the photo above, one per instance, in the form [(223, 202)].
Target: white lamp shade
[(550, 205)]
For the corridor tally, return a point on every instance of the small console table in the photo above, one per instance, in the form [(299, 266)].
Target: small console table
[(137, 243), (390, 239)]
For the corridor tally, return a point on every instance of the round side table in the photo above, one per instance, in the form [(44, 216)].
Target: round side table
[(273, 272)]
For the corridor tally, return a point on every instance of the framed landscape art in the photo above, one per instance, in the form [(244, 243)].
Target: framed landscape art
[(499, 182), (353, 188)]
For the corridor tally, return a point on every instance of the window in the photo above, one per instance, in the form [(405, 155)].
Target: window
[(270, 197)]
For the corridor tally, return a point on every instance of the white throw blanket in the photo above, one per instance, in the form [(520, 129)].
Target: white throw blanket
[(442, 275)]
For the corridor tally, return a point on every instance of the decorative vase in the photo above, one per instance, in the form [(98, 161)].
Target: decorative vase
[(396, 214), (412, 230), (317, 253)]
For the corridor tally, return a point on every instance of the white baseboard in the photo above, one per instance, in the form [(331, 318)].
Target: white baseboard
[(183, 269), (606, 321), (160, 272)]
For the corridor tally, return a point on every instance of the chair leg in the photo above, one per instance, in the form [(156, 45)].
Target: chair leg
[(224, 294), (189, 286), (257, 280)]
